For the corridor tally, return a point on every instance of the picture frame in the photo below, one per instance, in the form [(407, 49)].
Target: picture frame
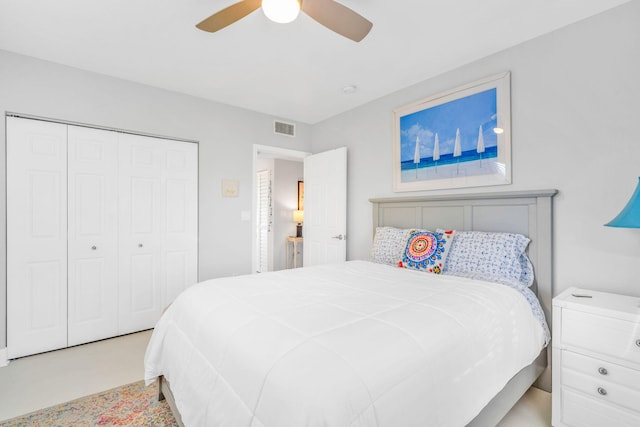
[(300, 195), (230, 188), (455, 139)]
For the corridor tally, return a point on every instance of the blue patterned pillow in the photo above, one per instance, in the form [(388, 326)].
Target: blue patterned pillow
[(526, 270), (388, 245), (426, 250), (495, 257)]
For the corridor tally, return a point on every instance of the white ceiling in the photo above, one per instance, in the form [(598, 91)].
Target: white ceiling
[(293, 71)]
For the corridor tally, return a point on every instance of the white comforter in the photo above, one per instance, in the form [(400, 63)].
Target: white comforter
[(353, 344)]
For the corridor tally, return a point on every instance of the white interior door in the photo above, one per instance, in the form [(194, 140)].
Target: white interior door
[(180, 218), (264, 221), (36, 236), (93, 234), (140, 232), (325, 207)]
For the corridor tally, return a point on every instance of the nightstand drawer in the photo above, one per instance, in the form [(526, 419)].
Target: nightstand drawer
[(605, 335), (601, 390), (602, 370), (582, 411)]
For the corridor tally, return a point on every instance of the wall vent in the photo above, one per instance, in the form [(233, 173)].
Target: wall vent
[(282, 128)]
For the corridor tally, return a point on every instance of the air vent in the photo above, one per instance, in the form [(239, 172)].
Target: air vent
[(282, 128)]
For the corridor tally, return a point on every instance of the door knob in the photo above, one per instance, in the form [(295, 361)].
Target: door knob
[(340, 237), (140, 245), (93, 248)]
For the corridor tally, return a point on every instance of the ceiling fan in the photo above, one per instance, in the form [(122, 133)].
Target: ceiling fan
[(329, 13)]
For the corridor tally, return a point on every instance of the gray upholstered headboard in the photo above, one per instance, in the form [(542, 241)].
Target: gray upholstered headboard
[(525, 212)]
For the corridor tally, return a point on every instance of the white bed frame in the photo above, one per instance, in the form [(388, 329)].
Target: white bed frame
[(525, 212)]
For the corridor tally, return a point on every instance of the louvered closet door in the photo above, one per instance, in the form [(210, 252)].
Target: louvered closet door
[(93, 234), (180, 218), (139, 249), (36, 236), (263, 224)]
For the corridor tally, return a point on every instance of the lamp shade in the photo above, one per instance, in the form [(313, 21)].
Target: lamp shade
[(298, 216), (629, 217)]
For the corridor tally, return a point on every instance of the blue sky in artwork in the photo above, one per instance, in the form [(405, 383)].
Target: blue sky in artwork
[(466, 114)]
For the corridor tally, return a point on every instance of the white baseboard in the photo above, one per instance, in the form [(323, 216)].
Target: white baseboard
[(3, 358)]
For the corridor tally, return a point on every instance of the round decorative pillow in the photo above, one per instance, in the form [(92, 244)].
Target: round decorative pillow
[(426, 250)]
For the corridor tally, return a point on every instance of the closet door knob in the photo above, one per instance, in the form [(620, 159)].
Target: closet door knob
[(93, 248), (603, 371), (140, 245)]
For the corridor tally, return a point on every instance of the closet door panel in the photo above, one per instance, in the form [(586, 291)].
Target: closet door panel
[(180, 219), (140, 181), (177, 274), (101, 232), (93, 234), (36, 236)]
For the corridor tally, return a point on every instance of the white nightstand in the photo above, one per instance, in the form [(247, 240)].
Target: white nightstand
[(596, 359)]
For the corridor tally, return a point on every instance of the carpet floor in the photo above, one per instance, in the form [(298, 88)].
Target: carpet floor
[(128, 405)]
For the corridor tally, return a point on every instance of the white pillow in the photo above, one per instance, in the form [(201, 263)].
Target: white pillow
[(388, 245), (496, 257)]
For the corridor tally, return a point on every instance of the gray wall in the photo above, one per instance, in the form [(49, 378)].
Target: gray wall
[(575, 97), (226, 135)]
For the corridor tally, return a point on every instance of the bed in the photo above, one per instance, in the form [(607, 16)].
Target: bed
[(346, 344)]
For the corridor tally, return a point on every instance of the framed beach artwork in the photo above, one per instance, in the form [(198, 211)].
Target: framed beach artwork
[(460, 138), (300, 195)]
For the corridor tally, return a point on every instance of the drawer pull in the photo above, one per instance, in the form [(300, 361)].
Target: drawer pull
[(602, 391), (603, 371), (638, 343)]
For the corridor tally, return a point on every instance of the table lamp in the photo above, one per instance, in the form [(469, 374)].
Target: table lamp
[(629, 217), (298, 216)]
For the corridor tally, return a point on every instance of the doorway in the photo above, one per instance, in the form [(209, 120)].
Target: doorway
[(276, 172)]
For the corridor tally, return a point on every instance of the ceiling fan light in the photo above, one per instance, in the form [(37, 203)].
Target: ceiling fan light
[(281, 11)]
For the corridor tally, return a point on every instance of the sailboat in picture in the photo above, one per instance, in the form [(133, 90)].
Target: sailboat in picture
[(457, 151), (416, 155), (436, 152), (480, 146)]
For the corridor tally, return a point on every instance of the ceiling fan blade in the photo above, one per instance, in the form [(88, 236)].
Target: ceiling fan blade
[(338, 18), (229, 15)]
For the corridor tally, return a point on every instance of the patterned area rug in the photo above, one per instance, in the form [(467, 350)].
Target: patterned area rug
[(128, 405)]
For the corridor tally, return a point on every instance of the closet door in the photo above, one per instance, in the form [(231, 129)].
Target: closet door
[(36, 236), (141, 163), (180, 219), (93, 234)]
